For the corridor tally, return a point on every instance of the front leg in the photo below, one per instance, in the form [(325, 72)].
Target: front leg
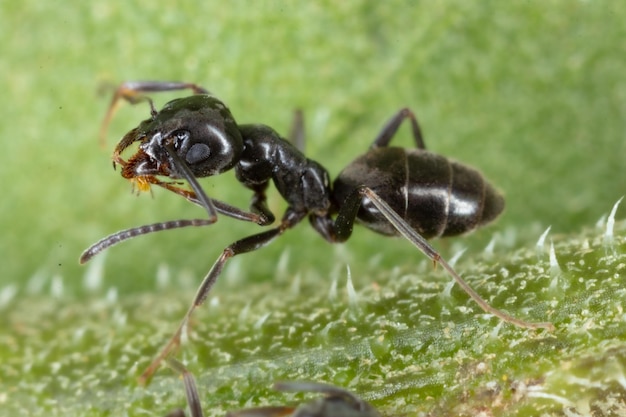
[(262, 219), (258, 204)]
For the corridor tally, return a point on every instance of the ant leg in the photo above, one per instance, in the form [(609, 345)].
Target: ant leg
[(390, 129), (176, 413), (197, 196), (267, 411), (296, 134), (262, 219), (341, 229), (420, 243), (326, 389), (258, 205), (186, 173), (344, 402), (134, 88), (131, 91), (191, 390), (126, 234), (248, 244)]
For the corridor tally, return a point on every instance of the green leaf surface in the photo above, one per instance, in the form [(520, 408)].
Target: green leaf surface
[(531, 93), (403, 339)]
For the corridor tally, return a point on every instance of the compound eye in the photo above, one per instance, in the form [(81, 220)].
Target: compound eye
[(197, 153)]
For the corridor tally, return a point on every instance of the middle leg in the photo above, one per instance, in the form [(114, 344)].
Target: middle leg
[(248, 244)]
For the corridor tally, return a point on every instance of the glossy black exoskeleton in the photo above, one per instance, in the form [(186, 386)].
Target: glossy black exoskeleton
[(393, 191), (336, 402)]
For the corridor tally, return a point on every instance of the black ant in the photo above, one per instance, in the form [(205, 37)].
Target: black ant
[(336, 401), (392, 191)]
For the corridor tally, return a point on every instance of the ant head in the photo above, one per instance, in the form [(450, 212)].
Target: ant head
[(199, 129)]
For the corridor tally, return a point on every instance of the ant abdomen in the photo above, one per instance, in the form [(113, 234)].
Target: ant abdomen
[(438, 197)]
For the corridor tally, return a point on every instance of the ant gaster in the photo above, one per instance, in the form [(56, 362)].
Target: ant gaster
[(336, 402), (391, 190)]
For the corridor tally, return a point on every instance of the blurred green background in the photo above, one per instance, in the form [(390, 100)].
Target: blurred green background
[(531, 93)]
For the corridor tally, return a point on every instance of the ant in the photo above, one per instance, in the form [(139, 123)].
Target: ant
[(391, 190), (336, 401)]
